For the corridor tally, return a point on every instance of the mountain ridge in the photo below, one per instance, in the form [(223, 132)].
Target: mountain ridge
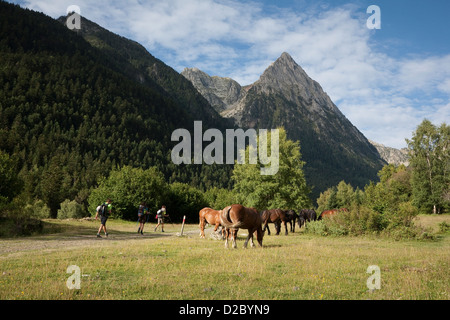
[(392, 155), (285, 95), (145, 68), (220, 92)]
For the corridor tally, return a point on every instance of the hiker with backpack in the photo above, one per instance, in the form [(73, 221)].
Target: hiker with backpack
[(160, 216), (104, 210), (142, 216)]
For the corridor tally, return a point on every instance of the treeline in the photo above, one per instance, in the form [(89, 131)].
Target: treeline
[(425, 184), (128, 186), (390, 205), (386, 207)]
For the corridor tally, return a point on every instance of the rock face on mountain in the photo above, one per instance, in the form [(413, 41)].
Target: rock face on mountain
[(285, 95), (392, 155), (220, 92)]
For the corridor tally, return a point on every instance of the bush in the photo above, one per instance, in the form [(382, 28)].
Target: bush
[(444, 227), (70, 210), (357, 221), (16, 220), (185, 200), (38, 210), (219, 198), (317, 227), (402, 215), (127, 188), (397, 224)]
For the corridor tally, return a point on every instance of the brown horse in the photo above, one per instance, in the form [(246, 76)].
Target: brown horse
[(211, 216), (275, 216), (237, 217), (332, 212)]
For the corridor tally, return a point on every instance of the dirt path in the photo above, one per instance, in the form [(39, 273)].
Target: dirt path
[(69, 241)]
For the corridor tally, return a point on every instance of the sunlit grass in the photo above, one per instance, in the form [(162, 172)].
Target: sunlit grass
[(157, 266)]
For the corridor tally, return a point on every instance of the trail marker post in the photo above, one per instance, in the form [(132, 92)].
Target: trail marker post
[(182, 225)]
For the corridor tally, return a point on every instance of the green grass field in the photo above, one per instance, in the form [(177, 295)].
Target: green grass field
[(166, 266)]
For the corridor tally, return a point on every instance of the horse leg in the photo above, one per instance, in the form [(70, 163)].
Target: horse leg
[(252, 244), (249, 237), (278, 227), (224, 233), (202, 228), (216, 227), (233, 238), (266, 226), (246, 240), (285, 227), (259, 236), (227, 233)]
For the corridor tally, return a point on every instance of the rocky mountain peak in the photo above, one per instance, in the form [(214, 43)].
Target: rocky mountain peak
[(285, 71), (286, 76), (286, 96)]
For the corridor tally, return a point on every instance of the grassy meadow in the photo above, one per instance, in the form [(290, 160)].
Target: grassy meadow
[(159, 265)]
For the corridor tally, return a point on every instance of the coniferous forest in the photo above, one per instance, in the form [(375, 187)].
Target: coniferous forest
[(69, 114)]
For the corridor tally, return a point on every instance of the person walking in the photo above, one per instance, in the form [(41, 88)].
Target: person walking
[(160, 216), (104, 211), (142, 216)]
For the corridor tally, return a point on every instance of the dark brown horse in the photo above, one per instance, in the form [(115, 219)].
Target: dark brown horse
[(291, 216), (237, 217), (306, 215), (211, 216), (275, 216)]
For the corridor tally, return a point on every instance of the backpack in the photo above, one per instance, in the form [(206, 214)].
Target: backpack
[(104, 210)]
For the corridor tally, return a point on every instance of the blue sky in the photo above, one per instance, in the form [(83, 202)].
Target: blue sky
[(385, 81)]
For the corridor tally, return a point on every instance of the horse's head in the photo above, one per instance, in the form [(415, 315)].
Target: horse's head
[(301, 221)]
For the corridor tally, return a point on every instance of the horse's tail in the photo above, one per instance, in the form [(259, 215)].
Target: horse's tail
[(228, 215)]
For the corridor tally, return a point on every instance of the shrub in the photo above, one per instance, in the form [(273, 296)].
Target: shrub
[(357, 221), (219, 198), (127, 188), (70, 210), (317, 227), (402, 215), (444, 227), (184, 200), (397, 223), (38, 210), (16, 220)]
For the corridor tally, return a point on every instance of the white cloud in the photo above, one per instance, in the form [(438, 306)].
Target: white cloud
[(385, 97)]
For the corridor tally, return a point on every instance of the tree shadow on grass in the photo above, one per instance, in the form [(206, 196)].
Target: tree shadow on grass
[(67, 231)]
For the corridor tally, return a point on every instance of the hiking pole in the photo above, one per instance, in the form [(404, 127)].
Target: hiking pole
[(170, 221)]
